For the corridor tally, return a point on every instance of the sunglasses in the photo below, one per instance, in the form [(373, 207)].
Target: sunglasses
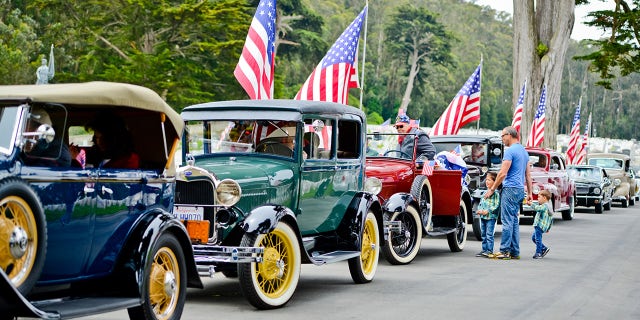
[(399, 126), (504, 134)]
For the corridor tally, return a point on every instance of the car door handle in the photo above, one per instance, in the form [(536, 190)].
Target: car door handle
[(107, 190)]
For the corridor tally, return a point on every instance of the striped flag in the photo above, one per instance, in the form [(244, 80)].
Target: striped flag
[(585, 142), (336, 73), (427, 169), (464, 108), (574, 137), (255, 67), (517, 113), (536, 136)]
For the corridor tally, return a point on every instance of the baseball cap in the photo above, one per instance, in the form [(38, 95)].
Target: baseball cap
[(403, 118)]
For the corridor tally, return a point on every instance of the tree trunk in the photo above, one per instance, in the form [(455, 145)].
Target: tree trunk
[(414, 61), (548, 24)]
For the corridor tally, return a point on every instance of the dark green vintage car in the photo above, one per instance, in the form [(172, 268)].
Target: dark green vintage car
[(269, 185)]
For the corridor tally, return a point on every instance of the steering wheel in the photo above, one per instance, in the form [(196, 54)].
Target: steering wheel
[(274, 147), (406, 156)]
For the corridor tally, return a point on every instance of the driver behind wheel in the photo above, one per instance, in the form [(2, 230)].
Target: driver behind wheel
[(424, 148)]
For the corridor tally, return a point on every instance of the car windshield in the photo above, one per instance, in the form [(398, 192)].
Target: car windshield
[(241, 136), (607, 163), (387, 145), (538, 160), (585, 173), (471, 152), (8, 121)]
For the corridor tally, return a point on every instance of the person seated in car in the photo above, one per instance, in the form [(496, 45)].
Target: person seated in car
[(41, 151), (112, 143), (424, 148)]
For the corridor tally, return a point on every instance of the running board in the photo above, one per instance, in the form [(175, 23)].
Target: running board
[(334, 257), (80, 307), (440, 231)]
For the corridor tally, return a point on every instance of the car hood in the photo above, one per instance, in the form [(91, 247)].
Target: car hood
[(385, 168)]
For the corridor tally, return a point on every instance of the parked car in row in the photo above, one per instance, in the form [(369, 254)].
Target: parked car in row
[(593, 187), (76, 239), (435, 205), (482, 154), (267, 185), (618, 167), (548, 172)]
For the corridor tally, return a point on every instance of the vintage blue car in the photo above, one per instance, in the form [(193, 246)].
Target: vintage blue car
[(80, 236), (268, 185)]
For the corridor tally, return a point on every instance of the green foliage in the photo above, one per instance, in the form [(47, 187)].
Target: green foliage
[(541, 50)]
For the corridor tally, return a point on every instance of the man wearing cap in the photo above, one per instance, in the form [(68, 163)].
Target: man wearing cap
[(42, 152), (424, 148)]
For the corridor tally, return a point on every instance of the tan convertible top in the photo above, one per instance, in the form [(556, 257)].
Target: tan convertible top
[(96, 93)]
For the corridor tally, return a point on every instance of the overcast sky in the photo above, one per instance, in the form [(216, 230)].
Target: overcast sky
[(580, 31)]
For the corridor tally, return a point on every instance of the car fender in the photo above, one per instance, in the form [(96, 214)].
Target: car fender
[(399, 202), (264, 219), (622, 190), (352, 225), (140, 242)]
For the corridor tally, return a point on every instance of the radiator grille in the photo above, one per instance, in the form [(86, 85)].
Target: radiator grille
[(194, 193)]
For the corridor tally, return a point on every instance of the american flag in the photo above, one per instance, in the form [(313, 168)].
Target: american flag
[(336, 73), (427, 169), (536, 136), (574, 137), (585, 141), (464, 108), (255, 67), (517, 113)]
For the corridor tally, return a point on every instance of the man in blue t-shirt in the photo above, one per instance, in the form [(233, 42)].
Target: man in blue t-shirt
[(513, 175)]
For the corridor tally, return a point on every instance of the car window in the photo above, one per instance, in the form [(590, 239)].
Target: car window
[(607, 163), (348, 143), (8, 122), (538, 160), (317, 138)]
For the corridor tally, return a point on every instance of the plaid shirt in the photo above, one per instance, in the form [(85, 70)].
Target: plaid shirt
[(490, 204), (544, 216)]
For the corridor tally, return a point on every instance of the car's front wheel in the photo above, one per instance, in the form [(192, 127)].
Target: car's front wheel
[(23, 234), (598, 207), (403, 246), (164, 286), (363, 268), (568, 214), (458, 238), (271, 283)]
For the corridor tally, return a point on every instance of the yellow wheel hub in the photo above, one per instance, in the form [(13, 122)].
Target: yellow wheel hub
[(274, 274), (369, 242), (164, 287), (18, 239)]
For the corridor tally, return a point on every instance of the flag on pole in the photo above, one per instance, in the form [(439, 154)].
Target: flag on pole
[(536, 136), (517, 113), (585, 142), (427, 169), (574, 136), (336, 73), (255, 67), (464, 108)]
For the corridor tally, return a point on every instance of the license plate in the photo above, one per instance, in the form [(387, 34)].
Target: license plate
[(188, 213)]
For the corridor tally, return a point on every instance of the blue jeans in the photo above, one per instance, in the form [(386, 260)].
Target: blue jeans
[(536, 237), (487, 228), (510, 200)]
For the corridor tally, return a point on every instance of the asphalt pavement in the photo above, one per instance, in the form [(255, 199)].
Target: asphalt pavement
[(591, 272)]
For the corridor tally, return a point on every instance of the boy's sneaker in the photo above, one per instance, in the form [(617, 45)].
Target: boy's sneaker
[(503, 256), (487, 254), (545, 251), (538, 256), (514, 257)]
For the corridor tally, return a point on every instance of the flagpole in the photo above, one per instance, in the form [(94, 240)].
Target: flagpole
[(478, 123), (364, 53)]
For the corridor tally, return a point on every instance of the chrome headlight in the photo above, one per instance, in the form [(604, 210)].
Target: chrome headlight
[(373, 185), (535, 189), (228, 192), (596, 190), (616, 182), (467, 179), (484, 170)]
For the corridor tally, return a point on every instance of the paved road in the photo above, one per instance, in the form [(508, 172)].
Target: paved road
[(591, 272)]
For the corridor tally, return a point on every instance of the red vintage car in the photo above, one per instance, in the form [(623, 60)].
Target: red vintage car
[(548, 172), (435, 205)]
